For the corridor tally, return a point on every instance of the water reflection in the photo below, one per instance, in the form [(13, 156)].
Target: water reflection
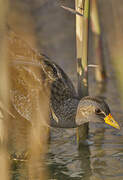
[(66, 159)]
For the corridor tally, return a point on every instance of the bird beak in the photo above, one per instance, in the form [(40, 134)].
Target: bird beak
[(110, 120)]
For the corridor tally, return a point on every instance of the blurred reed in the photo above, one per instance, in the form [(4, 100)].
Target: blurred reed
[(4, 92), (31, 101), (25, 139), (115, 40), (96, 29), (82, 6)]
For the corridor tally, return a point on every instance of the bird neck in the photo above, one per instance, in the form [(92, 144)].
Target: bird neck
[(64, 115)]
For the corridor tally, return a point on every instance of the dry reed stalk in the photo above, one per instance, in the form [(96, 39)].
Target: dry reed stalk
[(82, 6), (95, 24), (4, 86), (29, 84), (38, 138), (33, 97)]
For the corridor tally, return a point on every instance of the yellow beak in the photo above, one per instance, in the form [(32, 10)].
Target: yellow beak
[(110, 120)]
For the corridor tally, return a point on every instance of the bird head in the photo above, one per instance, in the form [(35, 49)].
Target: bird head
[(94, 109)]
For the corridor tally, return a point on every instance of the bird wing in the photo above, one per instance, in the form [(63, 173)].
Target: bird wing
[(27, 77), (31, 72)]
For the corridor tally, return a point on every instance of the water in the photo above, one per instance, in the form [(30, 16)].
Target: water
[(102, 157)]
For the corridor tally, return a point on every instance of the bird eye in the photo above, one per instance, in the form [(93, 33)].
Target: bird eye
[(98, 111)]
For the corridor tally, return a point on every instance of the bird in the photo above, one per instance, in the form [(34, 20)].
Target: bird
[(67, 109)]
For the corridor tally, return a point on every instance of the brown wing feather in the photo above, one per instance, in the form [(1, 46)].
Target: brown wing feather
[(26, 80)]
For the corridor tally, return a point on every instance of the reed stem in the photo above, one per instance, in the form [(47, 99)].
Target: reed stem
[(4, 92), (95, 25), (82, 6)]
